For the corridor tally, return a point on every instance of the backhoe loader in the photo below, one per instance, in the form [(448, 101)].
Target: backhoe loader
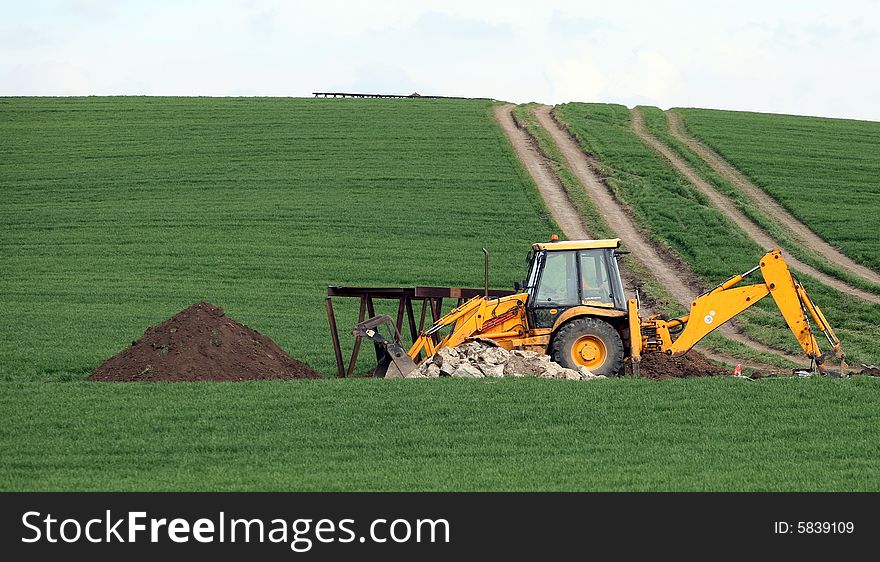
[(572, 307)]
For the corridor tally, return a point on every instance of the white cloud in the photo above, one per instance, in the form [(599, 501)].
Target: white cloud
[(49, 78), (651, 79), (795, 57), (577, 78)]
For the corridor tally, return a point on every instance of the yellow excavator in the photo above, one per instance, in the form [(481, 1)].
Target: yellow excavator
[(572, 307)]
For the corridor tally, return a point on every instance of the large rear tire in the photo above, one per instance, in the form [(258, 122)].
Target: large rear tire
[(591, 343)]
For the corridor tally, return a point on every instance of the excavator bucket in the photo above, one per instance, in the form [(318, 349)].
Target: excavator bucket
[(392, 360), (835, 355)]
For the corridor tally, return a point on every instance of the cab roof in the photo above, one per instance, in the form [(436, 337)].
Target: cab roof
[(606, 243)]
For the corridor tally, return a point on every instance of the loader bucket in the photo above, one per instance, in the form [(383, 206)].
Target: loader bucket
[(392, 360)]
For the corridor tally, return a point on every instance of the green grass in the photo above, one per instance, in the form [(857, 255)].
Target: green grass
[(625, 434), (824, 171), (593, 219), (119, 212), (678, 216), (656, 122)]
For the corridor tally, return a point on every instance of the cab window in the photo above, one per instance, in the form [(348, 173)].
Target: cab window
[(595, 283), (558, 281)]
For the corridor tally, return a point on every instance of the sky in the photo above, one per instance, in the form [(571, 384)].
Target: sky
[(810, 58)]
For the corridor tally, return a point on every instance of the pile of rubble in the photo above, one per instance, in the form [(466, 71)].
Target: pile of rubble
[(475, 360)]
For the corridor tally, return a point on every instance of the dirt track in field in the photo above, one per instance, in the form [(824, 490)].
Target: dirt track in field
[(729, 208), (761, 198), (555, 197), (616, 215)]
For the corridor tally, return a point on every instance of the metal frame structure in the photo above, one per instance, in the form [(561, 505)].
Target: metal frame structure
[(416, 96), (430, 297)]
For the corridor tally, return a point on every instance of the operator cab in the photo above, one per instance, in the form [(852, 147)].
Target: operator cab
[(572, 273)]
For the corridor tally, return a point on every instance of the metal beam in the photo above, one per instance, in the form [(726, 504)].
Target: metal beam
[(431, 298)]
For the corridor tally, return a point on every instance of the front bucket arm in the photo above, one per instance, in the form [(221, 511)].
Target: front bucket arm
[(425, 341), (478, 317)]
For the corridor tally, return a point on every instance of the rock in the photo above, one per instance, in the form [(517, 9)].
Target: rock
[(522, 366), (550, 370), (470, 350), (467, 352), (557, 371), (476, 359), (447, 359), (494, 355), (415, 374), (587, 374), (393, 374), (467, 371), (492, 370), (446, 354), (545, 359)]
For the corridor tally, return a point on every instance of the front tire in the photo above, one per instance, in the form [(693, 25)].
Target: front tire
[(591, 343)]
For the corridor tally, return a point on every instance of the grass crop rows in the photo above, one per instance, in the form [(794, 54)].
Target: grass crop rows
[(824, 171), (528, 434), (656, 122), (118, 212)]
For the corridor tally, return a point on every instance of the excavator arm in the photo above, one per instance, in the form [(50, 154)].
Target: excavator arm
[(711, 309), (479, 317)]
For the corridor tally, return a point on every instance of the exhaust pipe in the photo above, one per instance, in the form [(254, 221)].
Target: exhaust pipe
[(486, 263)]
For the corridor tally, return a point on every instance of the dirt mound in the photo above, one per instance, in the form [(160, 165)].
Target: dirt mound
[(198, 344), (661, 366)]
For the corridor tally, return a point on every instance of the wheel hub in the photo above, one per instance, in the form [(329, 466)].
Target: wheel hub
[(589, 351)]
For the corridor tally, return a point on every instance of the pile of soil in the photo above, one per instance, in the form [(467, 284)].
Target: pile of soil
[(202, 344), (660, 366)]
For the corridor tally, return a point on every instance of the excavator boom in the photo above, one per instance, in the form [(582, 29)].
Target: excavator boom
[(711, 309)]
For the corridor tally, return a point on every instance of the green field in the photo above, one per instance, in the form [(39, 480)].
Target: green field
[(656, 122), (529, 434), (678, 216), (824, 171), (119, 212)]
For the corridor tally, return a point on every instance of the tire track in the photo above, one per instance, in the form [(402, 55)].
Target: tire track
[(729, 208), (616, 216), (555, 197), (802, 232)]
